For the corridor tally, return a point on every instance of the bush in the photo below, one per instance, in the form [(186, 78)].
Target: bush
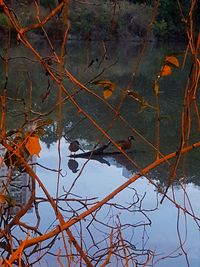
[(169, 24), (160, 28)]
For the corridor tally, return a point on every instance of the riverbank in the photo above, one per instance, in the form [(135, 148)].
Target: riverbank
[(104, 21), (101, 20)]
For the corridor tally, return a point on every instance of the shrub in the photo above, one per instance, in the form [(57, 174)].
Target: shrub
[(160, 28)]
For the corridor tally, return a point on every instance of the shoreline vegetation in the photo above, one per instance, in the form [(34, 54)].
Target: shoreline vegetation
[(104, 20)]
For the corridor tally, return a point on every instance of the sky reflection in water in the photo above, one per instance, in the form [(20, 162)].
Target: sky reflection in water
[(98, 180)]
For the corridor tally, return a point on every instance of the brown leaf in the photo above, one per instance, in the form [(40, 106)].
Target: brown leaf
[(7, 199), (11, 201), (172, 60), (143, 106), (2, 199), (135, 96), (109, 87)]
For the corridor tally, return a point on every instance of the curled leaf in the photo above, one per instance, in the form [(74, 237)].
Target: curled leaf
[(135, 96), (173, 61), (109, 87)]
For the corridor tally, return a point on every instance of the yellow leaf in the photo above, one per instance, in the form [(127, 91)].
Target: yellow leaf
[(166, 70), (156, 88), (107, 93), (172, 60), (33, 145)]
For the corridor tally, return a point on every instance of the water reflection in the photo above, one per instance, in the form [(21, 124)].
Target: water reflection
[(132, 224), (110, 159), (73, 165), (149, 229)]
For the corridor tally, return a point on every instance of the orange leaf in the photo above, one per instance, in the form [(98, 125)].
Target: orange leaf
[(33, 145), (173, 60), (107, 93), (166, 70), (108, 86), (2, 199)]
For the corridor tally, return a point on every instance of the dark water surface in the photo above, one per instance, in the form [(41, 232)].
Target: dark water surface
[(161, 233)]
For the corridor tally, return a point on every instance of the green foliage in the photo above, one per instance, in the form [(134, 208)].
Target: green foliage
[(168, 17), (91, 22), (160, 28), (101, 22), (169, 22)]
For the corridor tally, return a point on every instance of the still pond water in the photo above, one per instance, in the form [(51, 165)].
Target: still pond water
[(162, 233)]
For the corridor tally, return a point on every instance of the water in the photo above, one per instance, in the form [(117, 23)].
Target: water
[(133, 223), (148, 225)]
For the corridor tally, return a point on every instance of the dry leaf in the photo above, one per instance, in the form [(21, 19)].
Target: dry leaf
[(166, 70), (109, 87), (143, 106), (143, 103), (135, 96), (10, 201), (103, 82), (33, 145), (107, 93), (2, 199), (7, 199), (172, 60)]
